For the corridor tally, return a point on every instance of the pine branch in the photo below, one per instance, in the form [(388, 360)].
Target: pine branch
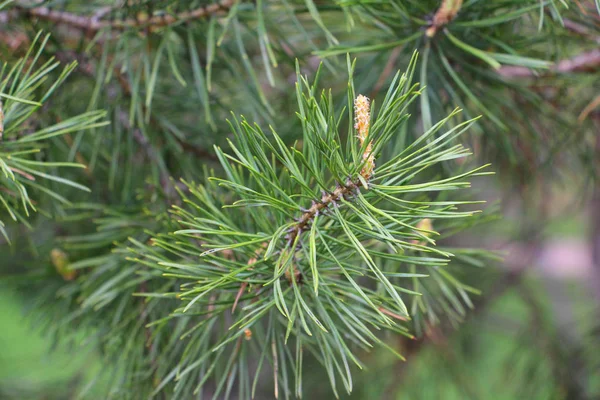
[(581, 30), (310, 277), (186, 146), (95, 24), (595, 213), (1, 122), (362, 112), (323, 248), (588, 61), (318, 207)]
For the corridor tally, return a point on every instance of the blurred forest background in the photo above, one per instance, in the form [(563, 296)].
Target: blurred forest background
[(166, 74)]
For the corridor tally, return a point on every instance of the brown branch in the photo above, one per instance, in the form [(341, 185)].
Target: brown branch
[(95, 24), (595, 217), (13, 39), (239, 295), (584, 62), (387, 70), (588, 61), (581, 30), (148, 148), (318, 207), (198, 151), (595, 103), (1, 121)]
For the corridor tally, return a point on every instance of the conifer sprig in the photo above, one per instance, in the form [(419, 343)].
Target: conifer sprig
[(328, 279), (24, 160)]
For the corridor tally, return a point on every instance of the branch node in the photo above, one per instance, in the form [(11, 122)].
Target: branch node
[(443, 16)]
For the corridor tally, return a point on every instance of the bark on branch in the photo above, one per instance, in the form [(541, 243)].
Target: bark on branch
[(94, 23), (584, 62), (362, 119), (1, 121)]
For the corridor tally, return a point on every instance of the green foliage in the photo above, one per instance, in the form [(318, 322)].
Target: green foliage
[(464, 63), (324, 287), (22, 157), (195, 271)]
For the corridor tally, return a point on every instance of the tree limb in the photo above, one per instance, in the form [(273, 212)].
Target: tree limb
[(1, 121), (581, 30), (585, 62), (95, 24)]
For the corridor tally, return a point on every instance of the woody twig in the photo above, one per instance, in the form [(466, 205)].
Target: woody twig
[(443, 16), (95, 23)]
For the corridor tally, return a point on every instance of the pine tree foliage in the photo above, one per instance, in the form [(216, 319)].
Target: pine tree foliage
[(216, 253), (302, 251), (471, 52), (22, 159), (309, 290)]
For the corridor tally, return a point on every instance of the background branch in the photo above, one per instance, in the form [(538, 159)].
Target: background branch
[(588, 61), (94, 23)]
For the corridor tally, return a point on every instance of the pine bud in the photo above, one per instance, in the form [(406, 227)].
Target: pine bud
[(362, 120), (362, 116)]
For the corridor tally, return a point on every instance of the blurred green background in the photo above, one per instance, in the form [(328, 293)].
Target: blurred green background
[(31, 365)]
